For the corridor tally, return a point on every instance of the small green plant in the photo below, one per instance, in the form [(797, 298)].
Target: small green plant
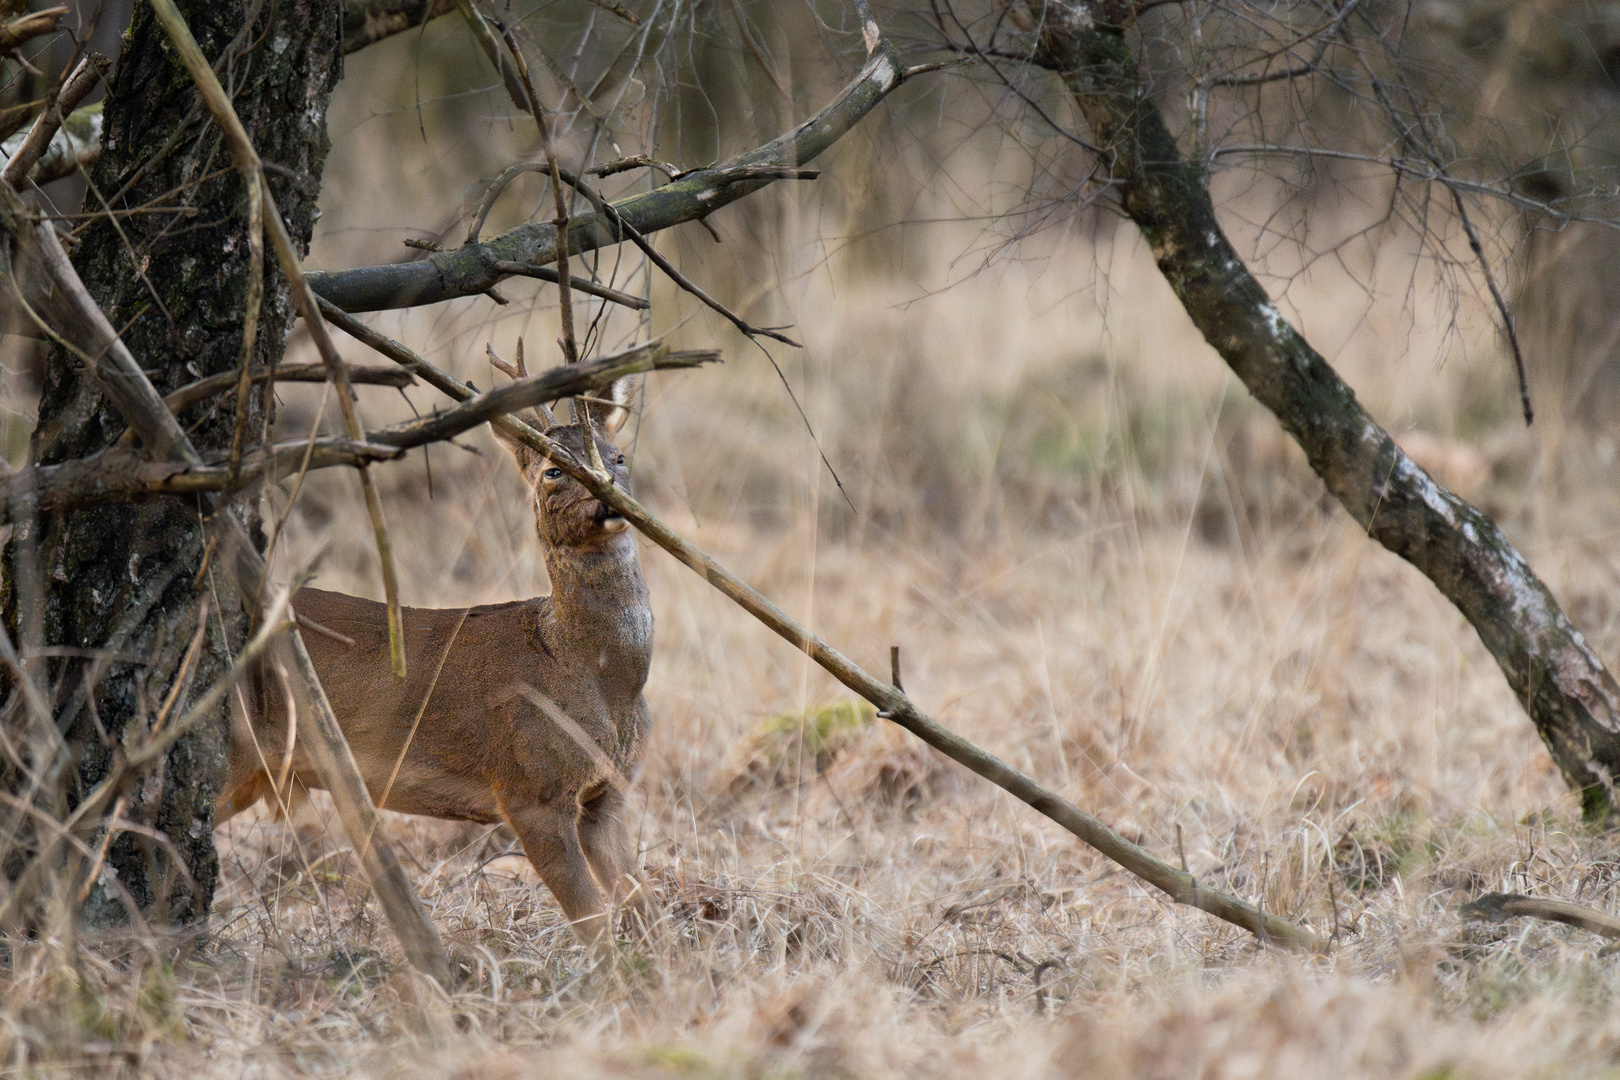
[(789, 745)]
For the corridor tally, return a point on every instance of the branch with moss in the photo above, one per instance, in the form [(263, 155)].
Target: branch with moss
[(475, 267)]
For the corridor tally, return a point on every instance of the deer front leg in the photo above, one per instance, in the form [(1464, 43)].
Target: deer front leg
[(550, 836), (609, 850)]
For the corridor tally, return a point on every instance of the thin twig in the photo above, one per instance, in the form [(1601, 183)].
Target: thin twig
[(623, 228), (591, 288), (203, 389), (1496, 297), (565, 292), (635, 161), (498, 185)]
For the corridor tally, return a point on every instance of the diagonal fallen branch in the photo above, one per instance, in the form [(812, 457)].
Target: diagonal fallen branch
[(1179, 885)]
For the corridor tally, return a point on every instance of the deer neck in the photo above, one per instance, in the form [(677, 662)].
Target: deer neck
[(599, 614)]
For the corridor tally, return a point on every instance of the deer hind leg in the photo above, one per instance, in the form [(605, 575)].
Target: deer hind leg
[(550, 836), (241, 791), (612, 855)]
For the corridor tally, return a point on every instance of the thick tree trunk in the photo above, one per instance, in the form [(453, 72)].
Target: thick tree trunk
[(1571, 697), (130, 579)]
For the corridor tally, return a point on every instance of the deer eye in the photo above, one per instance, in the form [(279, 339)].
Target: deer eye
[(553, 473), (620, 461)]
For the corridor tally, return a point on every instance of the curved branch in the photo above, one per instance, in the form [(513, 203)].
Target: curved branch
[(1572, 698)]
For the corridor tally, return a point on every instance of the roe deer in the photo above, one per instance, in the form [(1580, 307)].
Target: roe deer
[(529, 712)]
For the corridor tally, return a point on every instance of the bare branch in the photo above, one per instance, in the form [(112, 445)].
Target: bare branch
[(25, 28), (203, 389), (470, 269), (91, 70), (1499, 907), (590, 288)]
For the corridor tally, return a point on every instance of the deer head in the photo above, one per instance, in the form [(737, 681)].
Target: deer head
[(566, 515)]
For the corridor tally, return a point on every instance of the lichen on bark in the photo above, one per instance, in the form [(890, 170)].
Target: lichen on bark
[(126, 577), (1570, 696)]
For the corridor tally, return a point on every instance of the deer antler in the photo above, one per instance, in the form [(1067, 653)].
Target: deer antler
[(519, 370)]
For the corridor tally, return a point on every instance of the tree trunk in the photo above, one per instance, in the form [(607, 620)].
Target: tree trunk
[(1571, 697), (130, 579)]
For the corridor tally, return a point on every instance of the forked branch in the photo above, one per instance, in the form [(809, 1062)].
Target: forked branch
[(472, 268)]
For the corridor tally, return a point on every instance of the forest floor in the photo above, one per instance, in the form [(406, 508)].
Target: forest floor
[(1143, 601)]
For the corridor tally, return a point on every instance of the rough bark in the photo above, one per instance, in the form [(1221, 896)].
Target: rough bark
[(125, 577), (1571, 697)]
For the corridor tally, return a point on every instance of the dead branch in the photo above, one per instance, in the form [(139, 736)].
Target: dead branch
[(203, 389), (623, 228), (471, 269), (484, 34), (115, 370), (590, 288), (25, 28), (1499, 907), (76, 146), (120, 475)]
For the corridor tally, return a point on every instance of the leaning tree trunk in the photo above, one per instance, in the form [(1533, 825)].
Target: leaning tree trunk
[(1571, 697), (129, 580)]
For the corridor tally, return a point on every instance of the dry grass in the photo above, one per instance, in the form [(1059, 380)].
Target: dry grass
[(1103, 564)]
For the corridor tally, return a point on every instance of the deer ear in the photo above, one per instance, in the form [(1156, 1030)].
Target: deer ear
[(527, 457), (619, 393)]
